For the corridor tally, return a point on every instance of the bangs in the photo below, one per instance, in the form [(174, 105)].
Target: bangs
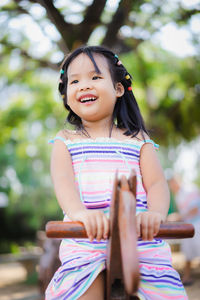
[(91, 57)]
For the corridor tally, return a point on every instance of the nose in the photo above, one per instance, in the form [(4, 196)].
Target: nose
[(84, 86)]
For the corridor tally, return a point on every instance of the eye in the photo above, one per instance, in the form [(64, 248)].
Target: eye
[(74, 81), (96, 77)]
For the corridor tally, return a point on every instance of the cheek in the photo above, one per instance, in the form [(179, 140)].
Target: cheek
[(70, 94), (68, 90)]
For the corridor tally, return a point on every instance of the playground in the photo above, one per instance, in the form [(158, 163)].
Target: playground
[(158, 44)]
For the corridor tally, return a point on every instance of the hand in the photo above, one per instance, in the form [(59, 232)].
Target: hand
[(148, 224), (96, 223)]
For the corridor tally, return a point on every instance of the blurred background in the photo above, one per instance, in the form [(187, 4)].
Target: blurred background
[(158, 41)]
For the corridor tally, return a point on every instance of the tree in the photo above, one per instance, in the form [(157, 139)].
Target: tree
[(76, 23), (126, 27), (34, 37)]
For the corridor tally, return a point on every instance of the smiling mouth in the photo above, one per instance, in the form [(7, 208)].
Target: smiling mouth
[(84, 100)]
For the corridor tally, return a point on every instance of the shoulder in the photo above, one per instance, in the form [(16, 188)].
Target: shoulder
[(60, 144), (146, 142), (142, 136), (142, 139), (66, 134), (62, 138)]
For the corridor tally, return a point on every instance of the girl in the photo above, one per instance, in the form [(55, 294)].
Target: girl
[(110, 135)]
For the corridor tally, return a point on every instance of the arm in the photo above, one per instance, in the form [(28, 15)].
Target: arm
[(62, 174), (157, 191), (63, 179)]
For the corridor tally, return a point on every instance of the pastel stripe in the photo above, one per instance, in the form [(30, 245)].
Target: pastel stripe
[(95, 163)]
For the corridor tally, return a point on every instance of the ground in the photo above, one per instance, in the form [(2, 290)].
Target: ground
[(13, 277), (13, 284)]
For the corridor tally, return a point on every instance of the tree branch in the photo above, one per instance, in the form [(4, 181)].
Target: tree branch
[(91, 19), (58, 20), (55, 16), (186, 14), (21, 10), (17, 10), (118, 20), (42, 63)]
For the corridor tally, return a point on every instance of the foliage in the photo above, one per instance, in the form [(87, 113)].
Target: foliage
[(168, 92), (27, 123), (170, 85)]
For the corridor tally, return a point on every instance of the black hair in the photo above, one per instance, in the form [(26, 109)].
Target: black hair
[(126, 113)]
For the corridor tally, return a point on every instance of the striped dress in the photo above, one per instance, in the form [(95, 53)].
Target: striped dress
[(95, 163)]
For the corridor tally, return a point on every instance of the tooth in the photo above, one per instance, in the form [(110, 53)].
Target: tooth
[(88, 99)]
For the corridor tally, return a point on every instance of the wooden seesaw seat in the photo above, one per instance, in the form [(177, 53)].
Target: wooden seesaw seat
[(123, 274)]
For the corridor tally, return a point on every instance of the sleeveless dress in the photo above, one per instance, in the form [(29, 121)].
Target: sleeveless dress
[(95, 163)]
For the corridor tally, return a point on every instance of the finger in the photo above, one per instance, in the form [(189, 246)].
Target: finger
[(138, 225), (88, 228), (93, 223), (150, 233), (144, 227), (156, 226), (106, 227), (85, 219), (100, 227)]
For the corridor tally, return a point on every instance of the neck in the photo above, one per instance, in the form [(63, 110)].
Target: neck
[(100, 129)]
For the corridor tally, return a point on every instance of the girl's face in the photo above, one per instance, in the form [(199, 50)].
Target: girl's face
[(91, 95)]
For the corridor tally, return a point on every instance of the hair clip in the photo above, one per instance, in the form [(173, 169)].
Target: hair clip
[(63, 96), (60, 81), (62, 71), (119, 62), (130, 88), (116, 55), (127, 76)]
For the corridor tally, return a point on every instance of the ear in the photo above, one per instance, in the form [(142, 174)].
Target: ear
[(119, 89)]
